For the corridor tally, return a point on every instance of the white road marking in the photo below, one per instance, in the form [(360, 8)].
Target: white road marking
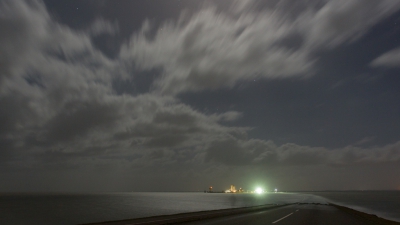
[(297, 210), (282, 218)]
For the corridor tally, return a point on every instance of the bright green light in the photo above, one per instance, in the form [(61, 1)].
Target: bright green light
[(259, 190)]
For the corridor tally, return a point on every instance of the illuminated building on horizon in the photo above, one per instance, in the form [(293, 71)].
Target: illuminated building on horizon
[(233, 190)]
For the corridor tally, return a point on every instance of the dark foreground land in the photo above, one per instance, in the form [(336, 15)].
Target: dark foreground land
[(268, 214)]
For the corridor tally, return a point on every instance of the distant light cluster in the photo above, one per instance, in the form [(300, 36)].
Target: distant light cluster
[(232, 189)]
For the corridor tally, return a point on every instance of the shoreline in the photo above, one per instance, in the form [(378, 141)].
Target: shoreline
[(210, 214)]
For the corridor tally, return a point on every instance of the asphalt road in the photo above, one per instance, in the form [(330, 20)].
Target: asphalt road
[(308, 214), (293, 214)]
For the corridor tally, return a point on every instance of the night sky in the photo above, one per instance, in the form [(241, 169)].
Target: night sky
[(178, 95)]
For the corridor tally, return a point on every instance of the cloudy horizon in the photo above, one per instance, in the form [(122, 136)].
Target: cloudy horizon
[(179, 95)]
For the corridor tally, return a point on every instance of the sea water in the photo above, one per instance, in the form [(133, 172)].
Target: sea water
[(66, 209)]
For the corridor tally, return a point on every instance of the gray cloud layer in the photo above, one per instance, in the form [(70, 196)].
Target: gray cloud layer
[(255, 152), (212, 50), (59, 110)]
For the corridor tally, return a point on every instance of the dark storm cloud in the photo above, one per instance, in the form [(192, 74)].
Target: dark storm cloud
[(62, 115)]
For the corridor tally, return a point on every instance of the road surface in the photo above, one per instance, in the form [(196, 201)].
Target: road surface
[(293, 214), (306, 214)]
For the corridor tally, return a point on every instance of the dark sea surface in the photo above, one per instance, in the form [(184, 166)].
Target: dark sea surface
[(60, 209)]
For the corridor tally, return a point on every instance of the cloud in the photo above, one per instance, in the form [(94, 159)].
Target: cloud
[(215, 50), (275, 40), (364, 141), (60, 112), (339, 21), (388, 59), (19, 20), (227, 116), (56, 95), (54, 85), (31, 42), (259, 152), (101, 26), (58, 107)]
